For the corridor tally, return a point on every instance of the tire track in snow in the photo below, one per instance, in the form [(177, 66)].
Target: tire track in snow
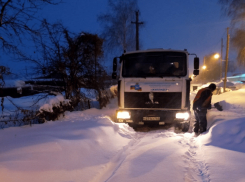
[(196, 169), (115, 163)]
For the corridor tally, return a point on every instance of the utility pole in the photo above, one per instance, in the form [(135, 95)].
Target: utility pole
[(226, 57), (221, 59), (137, 23)]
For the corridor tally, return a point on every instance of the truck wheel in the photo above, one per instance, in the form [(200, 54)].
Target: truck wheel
[(185, 126), (178, 128), (132, 125), (113, 118), (181, 127)]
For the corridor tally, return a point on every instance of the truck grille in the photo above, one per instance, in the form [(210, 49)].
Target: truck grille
[(168, 100)]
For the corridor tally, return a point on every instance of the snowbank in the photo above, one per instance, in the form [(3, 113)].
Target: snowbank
[(228, 84), (54, 102), (72, 149), (234, 98), (229, 134)]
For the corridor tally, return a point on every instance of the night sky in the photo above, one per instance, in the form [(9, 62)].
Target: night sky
[(195, 25)]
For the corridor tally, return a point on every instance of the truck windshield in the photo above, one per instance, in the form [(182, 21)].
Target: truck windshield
[(155, 64)]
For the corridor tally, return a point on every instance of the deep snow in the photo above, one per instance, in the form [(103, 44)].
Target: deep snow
[(87, 146)]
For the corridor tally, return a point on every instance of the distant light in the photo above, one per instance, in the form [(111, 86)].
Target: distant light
[(216, 56), (204, 67)]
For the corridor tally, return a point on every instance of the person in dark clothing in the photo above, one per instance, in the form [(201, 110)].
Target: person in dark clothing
[(201, 103)]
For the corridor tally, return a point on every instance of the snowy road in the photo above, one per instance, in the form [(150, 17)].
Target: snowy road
[(98, 150), (88, 147), (157, 156)]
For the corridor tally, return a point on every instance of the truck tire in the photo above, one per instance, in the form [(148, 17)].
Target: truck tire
[(132, 125), (113, 118), (185, 126), (177, 128), (181, 127)]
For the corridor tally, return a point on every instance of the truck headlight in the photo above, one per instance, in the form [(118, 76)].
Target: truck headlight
[(123, 115), (184, 116)]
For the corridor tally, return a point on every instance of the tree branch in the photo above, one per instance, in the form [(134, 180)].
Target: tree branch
[(2, 11)]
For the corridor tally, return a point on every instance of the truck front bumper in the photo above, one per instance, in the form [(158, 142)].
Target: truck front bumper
[(145, 116)]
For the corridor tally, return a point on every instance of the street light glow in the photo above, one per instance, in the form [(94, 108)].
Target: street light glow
[(204, 67), (216, 56)]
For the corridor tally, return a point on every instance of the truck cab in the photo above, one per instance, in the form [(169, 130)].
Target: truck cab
[(154, 86)]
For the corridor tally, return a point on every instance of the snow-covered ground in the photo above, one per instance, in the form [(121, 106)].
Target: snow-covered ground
[(86, 146)]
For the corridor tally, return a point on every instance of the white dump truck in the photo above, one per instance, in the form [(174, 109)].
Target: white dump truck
[(154, 87)]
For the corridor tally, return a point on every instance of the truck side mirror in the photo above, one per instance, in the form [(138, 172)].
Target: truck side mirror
[(114, 64), (196, 72), (196, 63), (122, 58), (114, 75)]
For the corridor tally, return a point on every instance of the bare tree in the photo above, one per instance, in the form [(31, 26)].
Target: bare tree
[(16, 21), (75, 58), (118, 32), (238, 41), (17, 25), (81, 61), (236, 10)]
